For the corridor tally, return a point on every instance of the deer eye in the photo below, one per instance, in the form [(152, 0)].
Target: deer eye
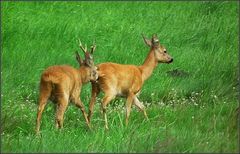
[(165, 51)]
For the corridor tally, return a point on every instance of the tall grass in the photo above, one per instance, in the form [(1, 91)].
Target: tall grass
[(192, 113)]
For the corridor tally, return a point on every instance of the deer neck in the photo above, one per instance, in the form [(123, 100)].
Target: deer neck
[(148, 66)]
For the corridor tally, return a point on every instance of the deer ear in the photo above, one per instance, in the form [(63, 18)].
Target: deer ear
[(78, 58), (147, 41)]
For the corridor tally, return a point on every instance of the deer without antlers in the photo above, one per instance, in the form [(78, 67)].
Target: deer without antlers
[(61, 83), (127, 80)]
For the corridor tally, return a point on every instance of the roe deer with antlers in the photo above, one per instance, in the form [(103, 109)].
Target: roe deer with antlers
[(127, 80), (62, 83)]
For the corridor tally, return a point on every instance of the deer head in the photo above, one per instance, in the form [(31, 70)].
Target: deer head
[(160, 51), (88, 62)]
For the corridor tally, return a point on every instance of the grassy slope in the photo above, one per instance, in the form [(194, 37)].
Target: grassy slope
[(187, 114)]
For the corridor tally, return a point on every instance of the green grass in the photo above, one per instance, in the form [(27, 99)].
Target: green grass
[(187, 114)]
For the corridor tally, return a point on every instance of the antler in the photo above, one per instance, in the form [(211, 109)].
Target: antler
[(155, 39), (93, 47), (80, 61), (81, 47), (143, 36)]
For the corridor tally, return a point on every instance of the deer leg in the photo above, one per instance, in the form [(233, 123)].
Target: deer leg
[(128, 106), (62, 106), (45, 92), (95, 92), (106, 100), (42, 104), (80, 105), (140, 106)]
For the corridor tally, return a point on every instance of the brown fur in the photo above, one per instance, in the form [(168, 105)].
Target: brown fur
[(63, 83), (127, 80)]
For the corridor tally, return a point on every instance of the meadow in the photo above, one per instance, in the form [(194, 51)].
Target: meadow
[(191, 103)]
